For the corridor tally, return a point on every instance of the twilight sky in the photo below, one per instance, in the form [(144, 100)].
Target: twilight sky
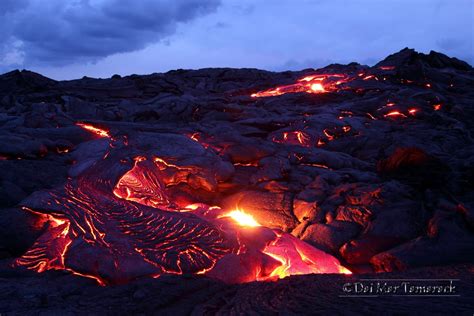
[(68, 39)]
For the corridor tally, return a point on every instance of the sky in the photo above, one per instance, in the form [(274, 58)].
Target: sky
[(69, 39)]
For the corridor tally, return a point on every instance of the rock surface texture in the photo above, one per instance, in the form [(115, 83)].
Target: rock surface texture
[(117, 180)]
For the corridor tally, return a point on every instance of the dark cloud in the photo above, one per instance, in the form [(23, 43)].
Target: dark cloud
[(58, 32)]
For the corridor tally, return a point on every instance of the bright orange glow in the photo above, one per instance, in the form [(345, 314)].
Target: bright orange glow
[(344, 270), (195, 137), (294, 137), (317, 87), (41, 259), (297, 257), (328, 134), (428, 85), (302, 138), (141, 186), (387, 67), (412, 111), (437, 107), (207, 233), (310, 78), (98, 131), (309, 84), (192, 207), (164, 162), (394, 114), (242, 218)]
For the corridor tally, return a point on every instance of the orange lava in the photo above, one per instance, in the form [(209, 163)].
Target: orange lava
[(395, 114), (131, 185), (317, 87), (412, 111), (297, 257), (110, 233), (41, 259), (242, 218), (98, 131), (386, 68), (294, 137), (309, 84), (290, 255)]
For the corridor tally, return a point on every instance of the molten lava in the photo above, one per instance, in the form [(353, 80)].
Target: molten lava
[(242, 218), (395, 114), (295, 138), (309, 84), (121, 219), (98, 131), (297, 257), (317, 87)]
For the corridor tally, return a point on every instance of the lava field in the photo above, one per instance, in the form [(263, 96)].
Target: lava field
[(234, 190)]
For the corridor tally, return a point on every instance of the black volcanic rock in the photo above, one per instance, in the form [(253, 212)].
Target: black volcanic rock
[(414, 166), (24, 82), (407, 57)]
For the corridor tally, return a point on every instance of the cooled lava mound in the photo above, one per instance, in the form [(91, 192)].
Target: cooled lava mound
[(240, 174)]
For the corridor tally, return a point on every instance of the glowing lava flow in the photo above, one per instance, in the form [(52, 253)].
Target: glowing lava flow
[(49, 251), (297, 257), (309, 84), (98, 131), (242, 218), (287, 255), (37, 258), (120, 219), (395, 114), (294, 137)]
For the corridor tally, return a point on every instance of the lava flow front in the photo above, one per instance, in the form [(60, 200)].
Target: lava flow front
[(309, 84), (121, 218)]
